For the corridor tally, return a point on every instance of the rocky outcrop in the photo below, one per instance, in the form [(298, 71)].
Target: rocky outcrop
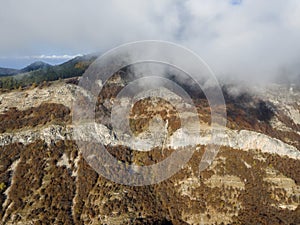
[(243, 140), (59, 93)]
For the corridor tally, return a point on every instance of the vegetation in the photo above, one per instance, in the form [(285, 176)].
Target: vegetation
[(73, 68), (43, 114), (2, 186), (35, 170)]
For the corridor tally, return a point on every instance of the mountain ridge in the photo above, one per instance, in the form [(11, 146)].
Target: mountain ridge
[(39, 72), (8, 71), (37, 65)]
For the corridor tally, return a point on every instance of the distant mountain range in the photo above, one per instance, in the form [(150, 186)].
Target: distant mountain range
[(36, 66), (32, 67), (38, 72), (8, 71)]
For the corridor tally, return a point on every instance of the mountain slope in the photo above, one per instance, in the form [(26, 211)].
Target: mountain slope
[(35, 66), (39, 72), (8, 71), (255, 178)]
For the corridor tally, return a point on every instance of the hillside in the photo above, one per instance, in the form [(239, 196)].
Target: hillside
[(4, 72), (38, 65), (44, 178), (8, 71), (40, 72)]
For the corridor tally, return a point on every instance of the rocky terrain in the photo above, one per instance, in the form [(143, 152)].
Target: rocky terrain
[(254, 179)]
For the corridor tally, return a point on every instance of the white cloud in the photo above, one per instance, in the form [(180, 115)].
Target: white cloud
[(42, 57), (55, 56), (251, 39)]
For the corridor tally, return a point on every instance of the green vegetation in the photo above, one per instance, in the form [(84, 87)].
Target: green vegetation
[(73, 68), (2, 186)]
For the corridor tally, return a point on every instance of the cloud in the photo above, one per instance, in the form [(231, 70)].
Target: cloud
[(56, 56), (41, 57), (250, 39)]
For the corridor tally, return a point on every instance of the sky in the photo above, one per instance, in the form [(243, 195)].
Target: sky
[(249, 39)]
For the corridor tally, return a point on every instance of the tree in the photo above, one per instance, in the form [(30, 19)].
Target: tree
[(2, 186)]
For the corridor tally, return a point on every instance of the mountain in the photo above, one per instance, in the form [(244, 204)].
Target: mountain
[(35, 66), (8, 71), (32, 67), (45, 178), (39, 72)]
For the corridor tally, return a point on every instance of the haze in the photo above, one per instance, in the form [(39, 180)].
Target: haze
[(250, 39)]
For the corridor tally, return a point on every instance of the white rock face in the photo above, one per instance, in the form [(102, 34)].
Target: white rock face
[(244, 140), (277, 179), (293, 113), (59, 93), (284, 99), (48, 134), (227, 181), (64, 161)]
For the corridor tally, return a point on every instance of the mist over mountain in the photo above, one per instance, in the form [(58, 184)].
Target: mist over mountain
[(38, 72)]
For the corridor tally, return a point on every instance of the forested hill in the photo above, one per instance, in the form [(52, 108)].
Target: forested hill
[(39, 72)]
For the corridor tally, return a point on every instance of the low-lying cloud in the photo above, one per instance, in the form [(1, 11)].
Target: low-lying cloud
[(249, 39)]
